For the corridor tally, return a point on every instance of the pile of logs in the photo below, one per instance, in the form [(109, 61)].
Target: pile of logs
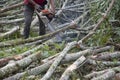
[(89, 63)]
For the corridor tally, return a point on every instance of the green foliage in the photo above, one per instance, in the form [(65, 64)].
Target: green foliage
[(13, 36), (116, 10), (24, 77), (117, 31), (115, 15), (112, 49), (116, 34), (52, 49), (102, 36), (15, 51), (33, 33), (106, 31)]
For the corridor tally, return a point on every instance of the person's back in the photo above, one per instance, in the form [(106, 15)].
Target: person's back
[(40, 2)]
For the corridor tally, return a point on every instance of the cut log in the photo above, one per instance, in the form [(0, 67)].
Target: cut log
[(12, 21), (58, 60), (18, 42), (11, 7), (108, 75), (44, 67), (12, 31), (107, 56), (21, 64), (73, 67)]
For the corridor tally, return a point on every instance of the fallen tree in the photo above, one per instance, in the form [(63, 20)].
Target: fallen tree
[(13, 31), (77, 59)]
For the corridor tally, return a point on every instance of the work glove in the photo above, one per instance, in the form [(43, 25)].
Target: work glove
[(50, 16), (47, 13), (38, 7)]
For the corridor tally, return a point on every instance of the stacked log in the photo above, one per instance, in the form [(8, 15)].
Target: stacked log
[(86, 62)]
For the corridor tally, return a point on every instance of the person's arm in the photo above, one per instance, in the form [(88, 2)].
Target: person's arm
[(52, 6), (37, 7), (33, 2)]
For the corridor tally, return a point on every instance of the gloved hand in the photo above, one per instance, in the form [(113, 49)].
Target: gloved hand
[(47, 13), (50, 16), (38, 7)]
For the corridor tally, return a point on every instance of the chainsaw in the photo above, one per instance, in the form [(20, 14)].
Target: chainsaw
[(48, 18)]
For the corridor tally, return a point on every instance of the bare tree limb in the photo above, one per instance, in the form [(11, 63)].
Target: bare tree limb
[(58, 60), (12, 31), (11, 7), (71, 68), (99, 23)]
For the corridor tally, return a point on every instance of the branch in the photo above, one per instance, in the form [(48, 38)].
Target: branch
[(58, 60), (16, 66), (98, 24), (12, 31), (68, 58), (11, 7), (21, 41), (71, 68), (106, 76)]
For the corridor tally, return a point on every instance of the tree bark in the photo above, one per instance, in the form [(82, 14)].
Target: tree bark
[(58, 60), (11, 7), (21, 64), (71, 68), (12, 31), (68, 58)]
